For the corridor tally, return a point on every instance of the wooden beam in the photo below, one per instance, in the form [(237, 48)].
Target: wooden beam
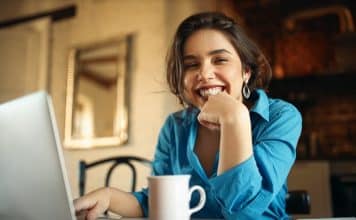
[(55, 15)]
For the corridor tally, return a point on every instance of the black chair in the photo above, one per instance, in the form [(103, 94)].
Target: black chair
[(116, 161), (298, 202)]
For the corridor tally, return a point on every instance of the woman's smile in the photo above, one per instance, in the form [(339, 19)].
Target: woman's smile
[(206, 91)]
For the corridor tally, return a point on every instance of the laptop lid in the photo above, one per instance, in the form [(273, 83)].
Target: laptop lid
[(33, 180)]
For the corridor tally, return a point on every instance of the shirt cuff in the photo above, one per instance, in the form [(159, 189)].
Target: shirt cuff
[(236, 187), (142, 198)]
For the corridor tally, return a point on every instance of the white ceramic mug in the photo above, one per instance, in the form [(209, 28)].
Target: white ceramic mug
[(169, 197)]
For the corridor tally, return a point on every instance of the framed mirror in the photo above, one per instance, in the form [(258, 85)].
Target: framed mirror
[(96, 102)]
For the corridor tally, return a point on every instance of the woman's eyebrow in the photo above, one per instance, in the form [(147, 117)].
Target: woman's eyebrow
[(219, 51), (187, 57), (213, 52)]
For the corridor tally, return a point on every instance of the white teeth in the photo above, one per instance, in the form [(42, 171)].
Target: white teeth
[(210, 91)]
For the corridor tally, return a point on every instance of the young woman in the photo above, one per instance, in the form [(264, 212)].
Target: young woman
[(233, 139)]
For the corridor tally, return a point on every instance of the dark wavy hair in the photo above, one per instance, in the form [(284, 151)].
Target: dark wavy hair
[(251, 56)]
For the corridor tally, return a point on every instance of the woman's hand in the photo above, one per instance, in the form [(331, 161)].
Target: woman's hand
[(93, 204), (232, 118), (97, 202), (222, 108)]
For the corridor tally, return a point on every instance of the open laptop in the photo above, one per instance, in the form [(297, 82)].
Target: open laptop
[(33, 179)]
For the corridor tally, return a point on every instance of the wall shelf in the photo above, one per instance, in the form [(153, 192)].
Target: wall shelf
[(314, 85)]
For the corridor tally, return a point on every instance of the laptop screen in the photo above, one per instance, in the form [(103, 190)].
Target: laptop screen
[(33, 180)]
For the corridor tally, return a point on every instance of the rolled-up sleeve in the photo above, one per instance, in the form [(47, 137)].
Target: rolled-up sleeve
[(246, 190), (142, 198)]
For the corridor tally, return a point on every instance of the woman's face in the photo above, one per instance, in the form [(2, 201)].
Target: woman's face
[(211, 65)]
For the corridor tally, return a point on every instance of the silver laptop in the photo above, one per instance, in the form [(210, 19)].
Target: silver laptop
[(33, 179)]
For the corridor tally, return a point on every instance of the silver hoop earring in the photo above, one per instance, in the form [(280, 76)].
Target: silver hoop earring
[(245, 91)]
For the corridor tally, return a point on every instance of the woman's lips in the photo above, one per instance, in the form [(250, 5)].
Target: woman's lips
[(206, 92)]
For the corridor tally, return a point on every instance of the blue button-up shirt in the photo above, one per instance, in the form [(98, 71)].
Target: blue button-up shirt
[(253, 189)]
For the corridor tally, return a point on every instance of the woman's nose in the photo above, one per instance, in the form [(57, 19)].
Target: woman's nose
[(206, 72)]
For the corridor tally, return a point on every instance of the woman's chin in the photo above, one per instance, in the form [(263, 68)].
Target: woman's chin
[(199, 104)]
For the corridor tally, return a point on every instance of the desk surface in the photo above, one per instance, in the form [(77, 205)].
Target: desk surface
[(346, 218), (123, 218), (114, 217), (336, 218)]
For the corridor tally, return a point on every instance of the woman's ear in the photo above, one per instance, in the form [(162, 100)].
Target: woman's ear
[(246, 74)]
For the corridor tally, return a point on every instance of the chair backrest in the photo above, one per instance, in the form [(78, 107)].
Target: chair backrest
[(298, 202), (116, 161)]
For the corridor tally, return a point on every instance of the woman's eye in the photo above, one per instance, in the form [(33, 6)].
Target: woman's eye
[(190, 65), (220, 60)]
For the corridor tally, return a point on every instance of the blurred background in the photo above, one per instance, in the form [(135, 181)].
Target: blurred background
[(311, 45)]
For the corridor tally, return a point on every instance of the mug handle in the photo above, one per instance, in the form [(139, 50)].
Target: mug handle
[(201, 203)]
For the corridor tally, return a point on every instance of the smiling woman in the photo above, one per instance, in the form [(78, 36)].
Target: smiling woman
[(238, 145), (96, 108)]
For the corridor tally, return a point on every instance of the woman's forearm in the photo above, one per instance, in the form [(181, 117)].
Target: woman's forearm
[(124, 203), (235, 141)]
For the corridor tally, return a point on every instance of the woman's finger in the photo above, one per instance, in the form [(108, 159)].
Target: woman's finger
[(208, 118), (94, 213), (81, 204), (211, 126)]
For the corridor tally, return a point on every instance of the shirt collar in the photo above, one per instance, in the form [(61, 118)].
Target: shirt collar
[(188, 115), (261, 106)]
